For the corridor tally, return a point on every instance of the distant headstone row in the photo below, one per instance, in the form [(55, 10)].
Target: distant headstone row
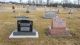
[(28, 8)]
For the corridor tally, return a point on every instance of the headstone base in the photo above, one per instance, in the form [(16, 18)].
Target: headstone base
[(51, 32), (46, 17), (49, 14), (49, 17), (16, 34), (27, 11)]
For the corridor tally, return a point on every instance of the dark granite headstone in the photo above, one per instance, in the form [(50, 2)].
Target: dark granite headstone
[(24, 26), (24, 29)]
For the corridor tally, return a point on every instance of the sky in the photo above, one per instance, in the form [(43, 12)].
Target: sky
[(73, 1)]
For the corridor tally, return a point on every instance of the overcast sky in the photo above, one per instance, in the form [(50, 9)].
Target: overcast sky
[(43, 0)]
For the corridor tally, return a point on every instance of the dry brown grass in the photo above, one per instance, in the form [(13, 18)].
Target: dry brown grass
[(8, 24)]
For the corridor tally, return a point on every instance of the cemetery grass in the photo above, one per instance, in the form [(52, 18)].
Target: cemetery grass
[(8, 24)]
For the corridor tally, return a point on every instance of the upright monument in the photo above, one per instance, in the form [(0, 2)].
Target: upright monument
[(58, 28), (24, 29)]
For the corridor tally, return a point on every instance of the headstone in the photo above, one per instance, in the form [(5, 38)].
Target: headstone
[(49, 14), (13, 8), (24, 29), (70, 11), (28, 10), (58, 28), (33, 7)]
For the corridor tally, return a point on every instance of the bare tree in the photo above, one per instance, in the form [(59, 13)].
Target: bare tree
[(20, 1), (29, 1), (36, 1), (40, 1), (65, 1), (78, 2), (47, 2)]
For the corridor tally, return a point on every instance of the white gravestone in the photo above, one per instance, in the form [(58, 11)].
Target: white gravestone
[(49, 14)]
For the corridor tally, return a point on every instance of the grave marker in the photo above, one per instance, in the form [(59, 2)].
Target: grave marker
[(28, 11), (49, 14), (13, 8), (24, 29), (58, 28), (33, 7)]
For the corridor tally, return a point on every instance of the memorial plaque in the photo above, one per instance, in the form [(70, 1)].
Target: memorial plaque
[(24, 25)]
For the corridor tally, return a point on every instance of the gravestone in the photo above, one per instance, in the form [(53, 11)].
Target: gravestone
[(13, 8), (58, 28), (49, 14), (70, 11), (24, 29), (28, 10), (33, 7)]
